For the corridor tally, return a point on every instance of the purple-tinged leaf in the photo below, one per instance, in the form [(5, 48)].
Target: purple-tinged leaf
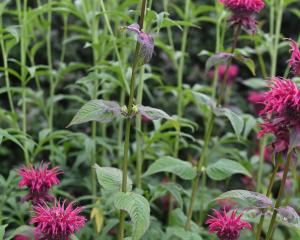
[(152, 113), (134, 28), (295, 137), (217, 59), (288, 215)]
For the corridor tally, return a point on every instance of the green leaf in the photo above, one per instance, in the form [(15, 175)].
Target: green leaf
[(152, 113), (170, 187), (236, 121), (25, 230), (182, 169), (247, 198), (138, 209), (180, 233), (255, 83), (217, 59), (2, 231), (204, 99), (97, 110), (225, 168), (111, 178), (247, 61), (288, 216)]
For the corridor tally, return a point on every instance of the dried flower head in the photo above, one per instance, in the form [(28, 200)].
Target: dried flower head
[(146, 41), (39, 181), (57, 222), (294, 61), (242, 12), (227, 226), (281, 112)]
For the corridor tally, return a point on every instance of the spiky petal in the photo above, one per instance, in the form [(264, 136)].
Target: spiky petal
[(227, 226), (294, 61), (281, 112), (39, 181), (57, 222)]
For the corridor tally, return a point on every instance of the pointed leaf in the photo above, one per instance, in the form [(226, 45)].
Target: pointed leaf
[(2, 231), (182, 169), (217, 59), (236, 121), (152, 113), (225, 168), (97, 110), (247, 198), (247, 61), (111, 178), (138, 209)]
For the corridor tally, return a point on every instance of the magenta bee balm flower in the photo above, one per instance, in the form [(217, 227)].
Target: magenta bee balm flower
[(227, 226), (57, 222), (242, 12), (294, 61), (39, 181), (232, 73), (281, 112)]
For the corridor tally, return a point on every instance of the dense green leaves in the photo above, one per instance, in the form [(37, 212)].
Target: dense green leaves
[(138, 209), (111, 178), (97, 110), (225, 168), (180, 168), (180, 233)]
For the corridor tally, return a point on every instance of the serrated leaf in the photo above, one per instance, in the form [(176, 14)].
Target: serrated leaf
[(247, 198), (97, 110), (111, 178), (138, 209), (181, 168), (217, 59), (288, 215), (152, 113), (236, 121), (225, 168), (2, 231), (180, 233)]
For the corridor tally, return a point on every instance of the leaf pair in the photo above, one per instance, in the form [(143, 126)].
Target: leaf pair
[(105, 111)]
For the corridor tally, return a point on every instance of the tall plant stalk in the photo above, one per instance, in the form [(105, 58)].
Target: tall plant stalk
[(207, 137), (128, 120), (22, 16), (271, 183), (280, 194)]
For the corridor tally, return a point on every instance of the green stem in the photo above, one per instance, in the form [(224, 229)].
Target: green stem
[(262, 143), (274, 54), (22, 15), (6, 75), (271, 183), (208, 133), (128, 120), (280, 194)]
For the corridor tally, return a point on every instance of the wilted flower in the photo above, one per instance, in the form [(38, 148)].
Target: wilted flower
[(242, 12), (227, 226), (57, 222), (146, 41), (232, 73), (281, 112), (39, 181), (294, 61)]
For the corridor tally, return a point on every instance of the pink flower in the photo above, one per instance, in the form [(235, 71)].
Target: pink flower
[(256, 99), (227, 226), (294, 61), (39, 181), (21, 237), (58, 222), (281, 112), (242, 11), (233, 72)]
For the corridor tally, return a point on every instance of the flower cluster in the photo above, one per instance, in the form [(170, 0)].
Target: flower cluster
[(52, 223), (242, 12), (294, 61), (39, 181), (281, 112), (227, 226), (58, 222)]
